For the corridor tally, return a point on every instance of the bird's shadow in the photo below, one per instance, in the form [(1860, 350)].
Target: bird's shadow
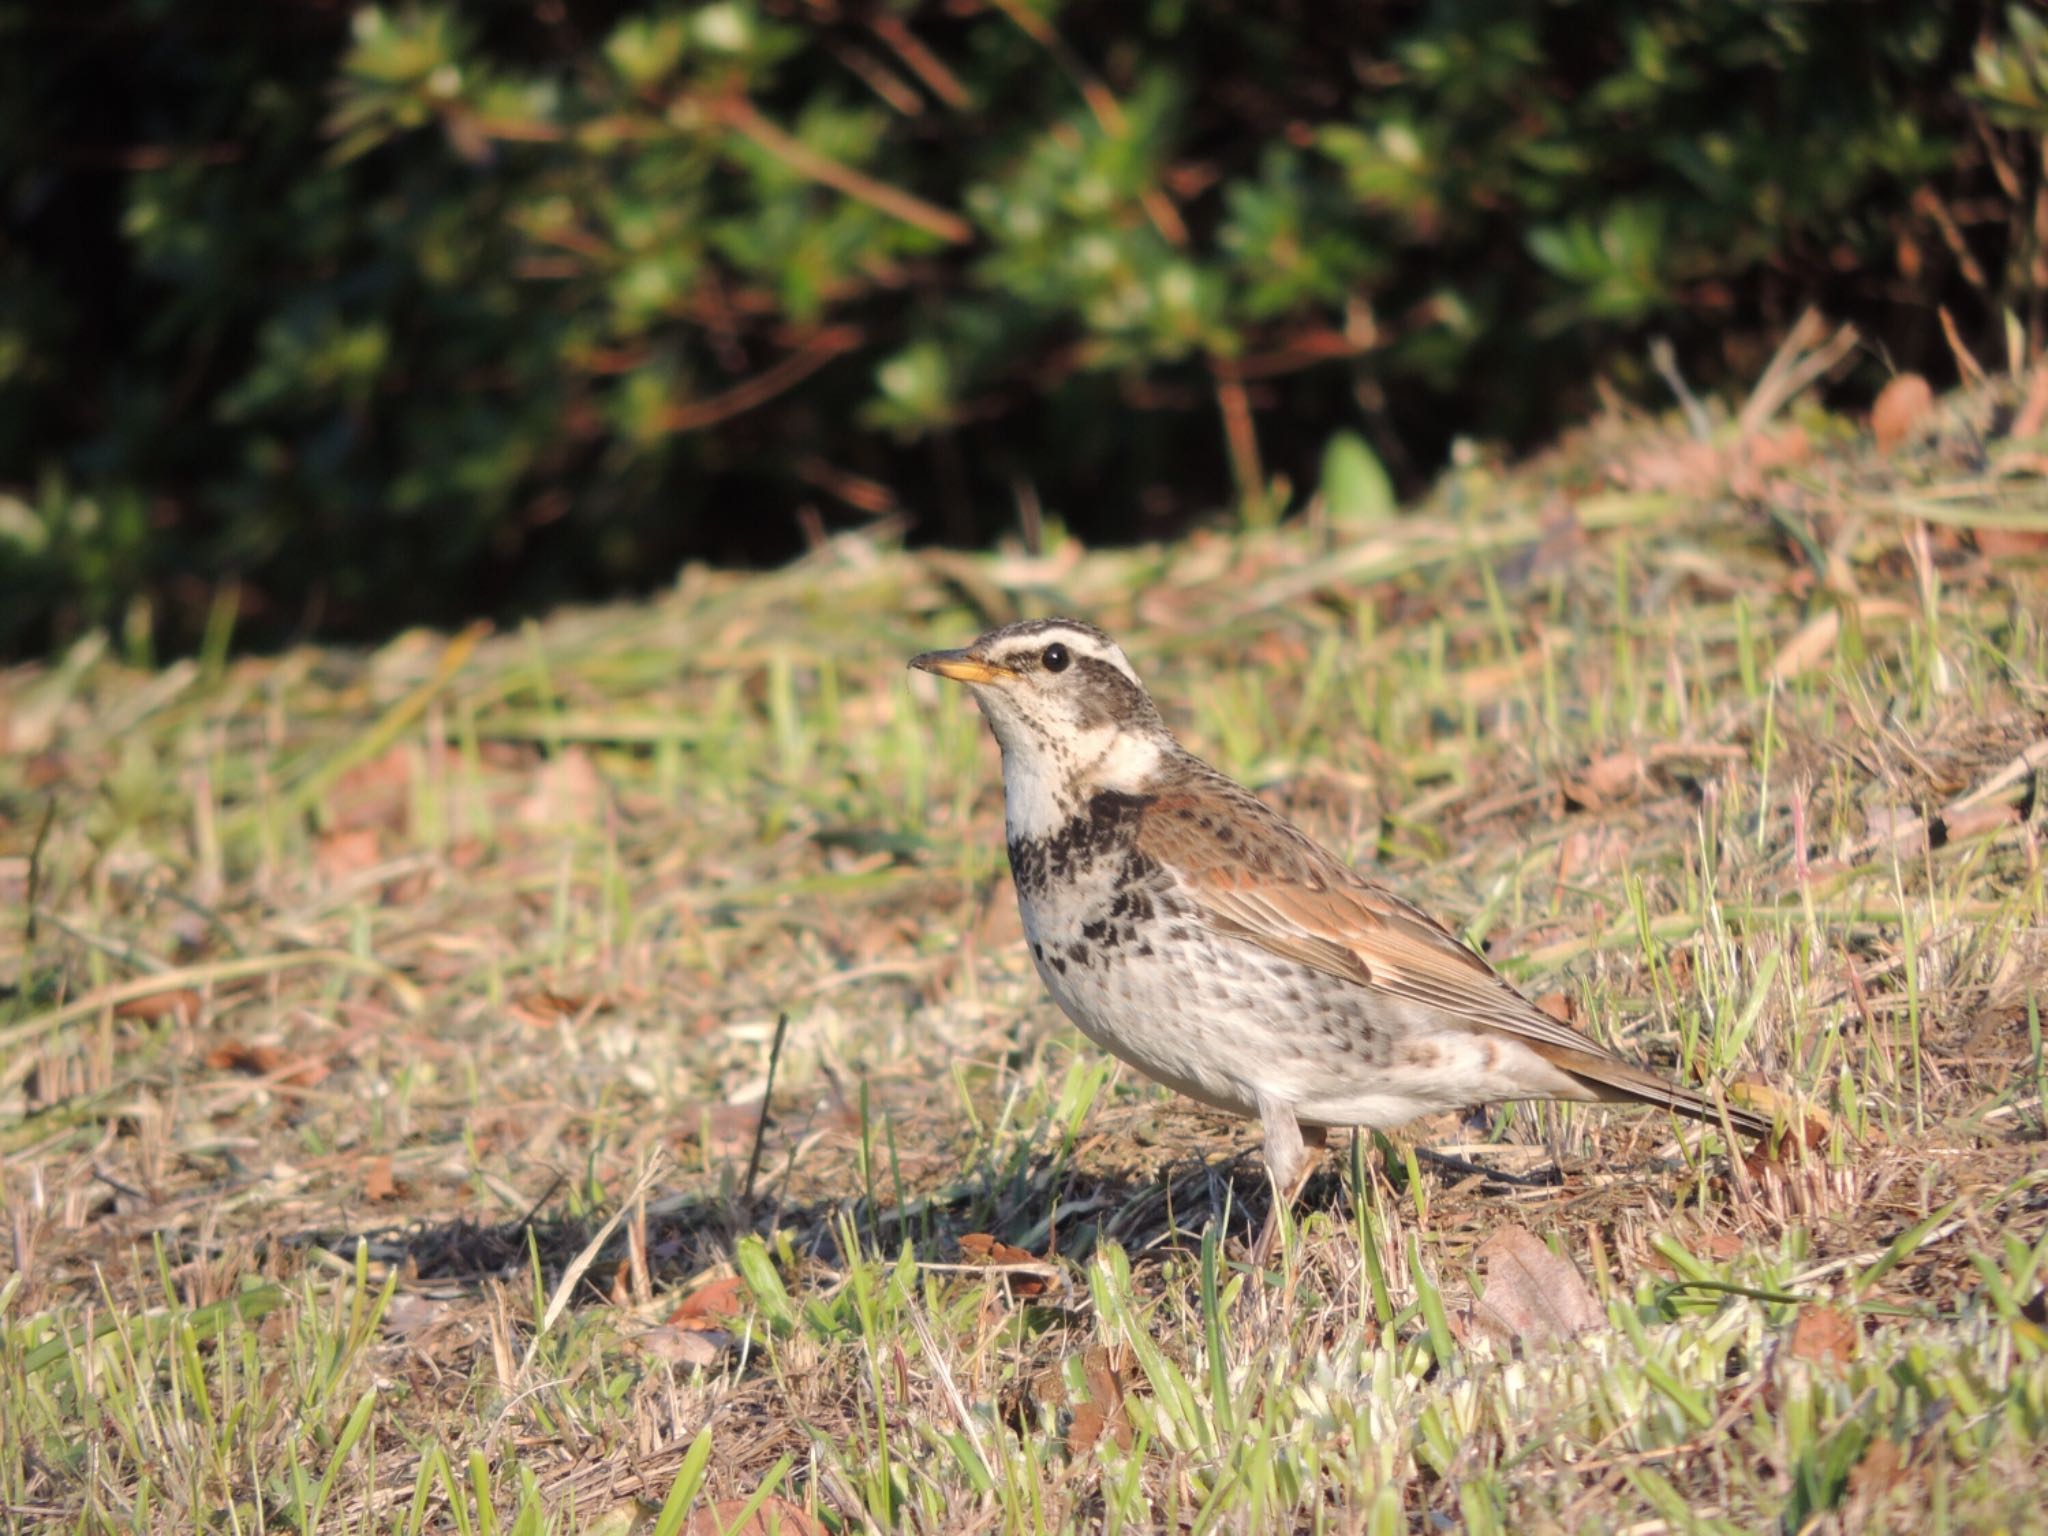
[(1041, 1205)]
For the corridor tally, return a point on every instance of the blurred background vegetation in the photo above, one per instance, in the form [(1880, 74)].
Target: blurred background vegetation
[(327, 319)]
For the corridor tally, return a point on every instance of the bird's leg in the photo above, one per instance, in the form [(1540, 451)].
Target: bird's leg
[(1289, 1162)]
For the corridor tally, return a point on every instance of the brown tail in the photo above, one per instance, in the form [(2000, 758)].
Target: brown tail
[(1618, 1081)]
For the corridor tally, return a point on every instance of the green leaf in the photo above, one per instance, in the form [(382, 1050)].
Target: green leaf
[(1356, 489)]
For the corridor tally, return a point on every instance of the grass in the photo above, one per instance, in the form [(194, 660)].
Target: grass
[(385, 1036)]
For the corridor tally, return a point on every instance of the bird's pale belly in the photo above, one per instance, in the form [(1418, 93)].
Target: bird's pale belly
[(1213, 1017)]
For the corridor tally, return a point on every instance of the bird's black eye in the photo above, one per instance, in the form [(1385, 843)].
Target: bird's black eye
[(1055, 658)]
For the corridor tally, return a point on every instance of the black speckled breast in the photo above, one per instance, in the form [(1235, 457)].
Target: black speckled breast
[(1106, 829)]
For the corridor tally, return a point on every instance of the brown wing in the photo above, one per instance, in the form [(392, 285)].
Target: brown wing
[(1285, 893)]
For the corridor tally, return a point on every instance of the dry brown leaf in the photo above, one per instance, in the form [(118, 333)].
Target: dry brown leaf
[(266, 1061), (1592, 847), (685, 1346), (1559, 1006), (980, 1248), (377, 793), (1784, 449), (378, 1183), (339, 855), (714, 1299), (567, 791), (1814, 1125), (1104, 1412), (1977, 820), (1682, 467), (2004, 543), (1615, 774), (776, 1517), (1809, 647), (1758, 456), (1900, 407), (1882, 1469), (181, 1003), (544, 1008), (411, 1314), (1531, 1293), (1614, 777), (1822, 1332)]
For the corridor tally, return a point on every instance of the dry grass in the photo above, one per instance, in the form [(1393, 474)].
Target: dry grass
[(383, 1050)]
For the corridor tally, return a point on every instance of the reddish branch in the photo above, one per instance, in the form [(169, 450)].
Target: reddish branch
[(741, 115), (695, 415)]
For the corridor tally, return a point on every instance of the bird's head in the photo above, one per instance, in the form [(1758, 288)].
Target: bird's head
[(1065, 706)]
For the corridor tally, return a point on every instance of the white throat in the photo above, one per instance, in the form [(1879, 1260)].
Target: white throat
[(1043, 790)]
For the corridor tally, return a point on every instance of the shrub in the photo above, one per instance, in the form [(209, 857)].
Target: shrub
[(420, 311)]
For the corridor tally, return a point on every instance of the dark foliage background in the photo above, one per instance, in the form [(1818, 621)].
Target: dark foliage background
[(333, 319)]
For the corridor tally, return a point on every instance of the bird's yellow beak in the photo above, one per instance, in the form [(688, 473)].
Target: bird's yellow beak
[(961, 667)]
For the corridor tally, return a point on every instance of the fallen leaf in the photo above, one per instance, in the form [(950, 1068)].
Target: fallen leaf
[(1758, 456), (343, 854), (1809, 647), (776, 1517), (1823, 1333), (266, 1061), (544, 1008), (1881, 1470), (181, 1003), (1974, 822), (714, 1299), (1104, 1412), (1611, 778), (377, 793), (2004, 543), (1900, 407), (980, 1248), (1531, 1293), (1784, 449), (685, 1346), (1559, 1006), (1679, 466), (1808, 1126), (1614, 774), (378, 1183), (1592, 847), (567, 791), (410, 1314), (407, 889)]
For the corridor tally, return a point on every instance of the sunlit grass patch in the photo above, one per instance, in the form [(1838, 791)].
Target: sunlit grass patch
[(386, 1037)]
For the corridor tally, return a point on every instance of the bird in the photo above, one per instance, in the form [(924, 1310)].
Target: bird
[(1190, 929)]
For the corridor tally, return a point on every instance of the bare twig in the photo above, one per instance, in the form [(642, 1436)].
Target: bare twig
[(745, 119), (767, 1092), (1102, 103), (566, 1286), (1240, 435), (407, 995), (764, 386), (2029, 762), (35, 864), (1801, 358), (921, 61)]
